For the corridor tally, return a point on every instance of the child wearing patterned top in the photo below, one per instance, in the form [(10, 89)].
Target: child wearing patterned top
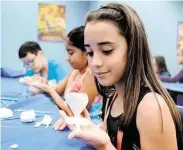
[(81, 79), (74, 84)]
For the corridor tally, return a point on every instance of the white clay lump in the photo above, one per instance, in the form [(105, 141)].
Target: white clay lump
[(28, 116), (5, 113), (14, 146)]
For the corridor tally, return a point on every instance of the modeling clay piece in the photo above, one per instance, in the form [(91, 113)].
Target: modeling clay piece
[(46, 121), (14, 146), (31, 82), (26, 80), (28, 116), (5, 113), (21, 80), (37, 124), (77, 102), (75, 120)]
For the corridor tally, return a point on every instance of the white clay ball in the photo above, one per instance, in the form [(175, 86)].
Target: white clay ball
[(28, 116), (6, 113)]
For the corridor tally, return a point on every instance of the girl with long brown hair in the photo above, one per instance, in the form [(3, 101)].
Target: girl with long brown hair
[(139, 113)]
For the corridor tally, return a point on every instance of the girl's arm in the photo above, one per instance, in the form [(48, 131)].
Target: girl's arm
[(62, 86), (56, 94), (60, 102), (155, 125)]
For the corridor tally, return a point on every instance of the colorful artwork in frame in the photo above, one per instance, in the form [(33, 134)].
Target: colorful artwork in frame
[(180, 36), (51, 22)]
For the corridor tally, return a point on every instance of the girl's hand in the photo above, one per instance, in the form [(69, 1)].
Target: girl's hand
[(91, 134)]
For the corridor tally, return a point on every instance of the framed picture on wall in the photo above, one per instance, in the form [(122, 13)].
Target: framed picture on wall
[(51, 22), (180, 35)]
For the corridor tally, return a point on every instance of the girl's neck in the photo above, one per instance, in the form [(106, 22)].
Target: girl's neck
[(117, 107), (83, 70), (120, 88)]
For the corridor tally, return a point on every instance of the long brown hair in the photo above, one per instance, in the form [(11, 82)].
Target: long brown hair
[(140, 71)]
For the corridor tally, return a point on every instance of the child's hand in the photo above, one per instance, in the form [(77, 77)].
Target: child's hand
[(100, 141), (40, 79), (27, 80), (61, 124), (42, 86)]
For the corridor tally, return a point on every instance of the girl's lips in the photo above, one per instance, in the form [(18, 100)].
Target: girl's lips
[(100, 74)]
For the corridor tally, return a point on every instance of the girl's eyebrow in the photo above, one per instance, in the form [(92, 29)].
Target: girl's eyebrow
[(101, 43)]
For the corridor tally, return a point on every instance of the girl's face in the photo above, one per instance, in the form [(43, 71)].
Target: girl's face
[(76, 57), (107, 51)]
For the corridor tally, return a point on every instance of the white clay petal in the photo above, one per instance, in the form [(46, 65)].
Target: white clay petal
[(77, 102), (14, 146), (46, 120)]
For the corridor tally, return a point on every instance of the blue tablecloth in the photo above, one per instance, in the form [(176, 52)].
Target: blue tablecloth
[(25, 134)]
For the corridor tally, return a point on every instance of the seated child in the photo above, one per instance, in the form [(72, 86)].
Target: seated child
[(179, 76), (33, 58), (159, 65), (81, 79)]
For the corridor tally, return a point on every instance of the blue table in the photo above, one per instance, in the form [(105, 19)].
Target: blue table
[(25, 134), (12, 91), (176, 91)]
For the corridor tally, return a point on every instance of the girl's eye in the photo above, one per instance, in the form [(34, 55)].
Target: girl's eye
[(71, 53), (107, 52), (90, 54)]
